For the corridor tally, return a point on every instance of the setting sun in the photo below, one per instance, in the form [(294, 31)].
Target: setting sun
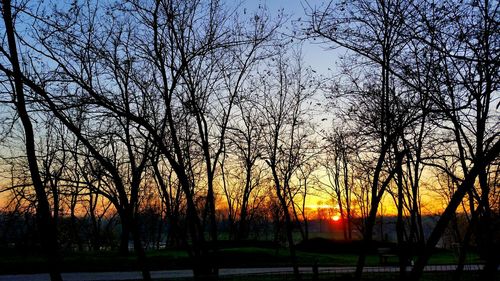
[(335, 218)]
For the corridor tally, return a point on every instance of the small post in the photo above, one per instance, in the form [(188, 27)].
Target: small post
[(315, 276)]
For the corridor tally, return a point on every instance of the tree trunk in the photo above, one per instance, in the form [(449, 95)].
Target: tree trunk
[(463, 247), (45, 221), (447, 215), (139, 250), (289, 236), (124, 237), (372, 216), (402, 249)]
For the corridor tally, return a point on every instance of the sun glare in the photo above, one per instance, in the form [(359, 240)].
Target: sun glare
[(335, 218)]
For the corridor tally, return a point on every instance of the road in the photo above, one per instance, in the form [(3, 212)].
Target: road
[(133, 275)]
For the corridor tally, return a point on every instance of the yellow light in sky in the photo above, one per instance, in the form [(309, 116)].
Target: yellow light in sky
[(335, 218)]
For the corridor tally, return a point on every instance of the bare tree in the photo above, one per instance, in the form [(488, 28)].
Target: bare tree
[(193, 84), (245, 143), (338, 183), (463, 40), (285, 93), (374, 31), (304, 176), (14, 73)]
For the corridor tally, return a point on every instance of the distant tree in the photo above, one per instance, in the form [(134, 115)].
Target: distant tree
[(245, 145), (171, 196), (304, 187), (337, 182)]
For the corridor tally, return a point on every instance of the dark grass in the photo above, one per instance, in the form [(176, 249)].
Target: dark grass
[(230, 255)]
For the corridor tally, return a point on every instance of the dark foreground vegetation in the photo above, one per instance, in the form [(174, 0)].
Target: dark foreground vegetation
[(315, 252)]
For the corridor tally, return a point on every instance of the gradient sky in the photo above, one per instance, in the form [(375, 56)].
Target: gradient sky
[(315, 54)]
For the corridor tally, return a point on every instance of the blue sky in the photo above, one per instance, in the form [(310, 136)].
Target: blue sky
[(315, 55)]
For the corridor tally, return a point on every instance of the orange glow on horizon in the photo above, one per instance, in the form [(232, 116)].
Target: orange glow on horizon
[(336, 218)]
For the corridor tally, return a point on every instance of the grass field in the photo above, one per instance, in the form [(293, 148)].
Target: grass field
[(15, 262)]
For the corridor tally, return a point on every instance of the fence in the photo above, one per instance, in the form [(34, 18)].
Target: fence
[(471, 272)]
